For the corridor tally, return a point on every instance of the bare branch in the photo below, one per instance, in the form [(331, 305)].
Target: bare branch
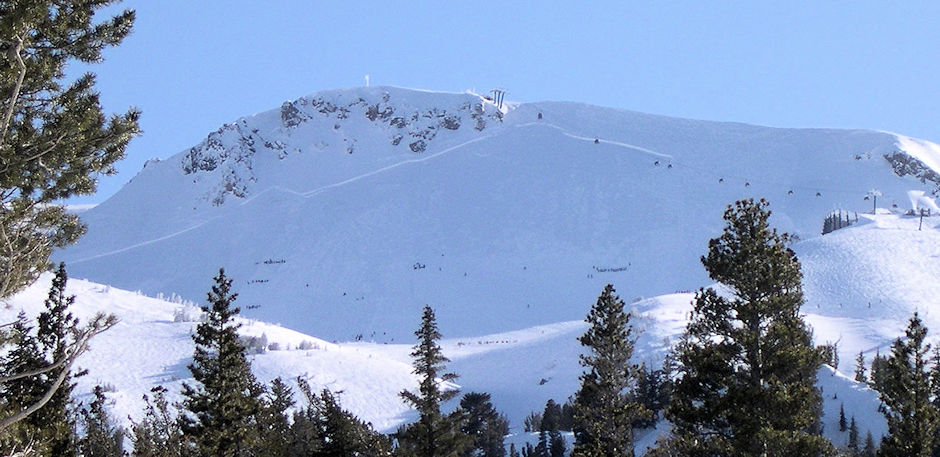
[(15, 53), (98, 324)]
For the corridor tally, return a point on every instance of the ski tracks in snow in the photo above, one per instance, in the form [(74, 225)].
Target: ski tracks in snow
[(321, 189), (598, 140), (306, 194)]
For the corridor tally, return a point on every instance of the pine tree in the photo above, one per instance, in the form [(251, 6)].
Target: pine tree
[(843, 424), (102, 437), (484, 425), (852, 444), (869, 450), (324, 429), (55, 326), (604, 407), (652, 392), (52, 425), (912, 418), (876, 380), (746, 381), (25, 356), (36, 375), (274, 423), (224, 407), (159, 433), (345, 435), (434, 434), (54, 137), (860, 368)]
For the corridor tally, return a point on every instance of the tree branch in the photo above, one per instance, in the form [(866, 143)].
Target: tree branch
[(99, 323), (15, 53)]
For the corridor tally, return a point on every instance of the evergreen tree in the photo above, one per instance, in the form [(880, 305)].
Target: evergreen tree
[(860, 368), (484, 425), (345, 435), (24, 357), (512, 450), (159, 433), (55, 327), (604, 407), (912, 417), (224, 407), (877, 378), (49, 355), (747, 369), (852, 444), (843, 424), (36, 376), (274, 423), (102, 437), (434, 434), (869, 450), (54, 137), (324, 429), (551, 443), (652, 392)]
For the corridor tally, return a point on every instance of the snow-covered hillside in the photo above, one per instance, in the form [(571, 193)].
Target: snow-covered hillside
[(340, 214), (883, 259)]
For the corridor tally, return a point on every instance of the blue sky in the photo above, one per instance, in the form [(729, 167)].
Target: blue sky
[(192, 66)]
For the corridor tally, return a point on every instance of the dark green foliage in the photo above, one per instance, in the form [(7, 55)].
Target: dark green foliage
[(159, 433), (829, 353), (747, 368), (532, 422), (52, 426), (842, 422), (224, 407), (877, 378), (324, 429), (434, 434), (852, 445), (907, 392), (652, 391), (604, 407), (54, 137), (484, 425), (102, 437), (551, 443), (860, 368), (870, 450), (25, 356), (273, 421), (512, 450), (566, 421), (56, 325)]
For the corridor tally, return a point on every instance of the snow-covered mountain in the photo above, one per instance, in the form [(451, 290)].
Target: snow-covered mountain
[(340, 214)]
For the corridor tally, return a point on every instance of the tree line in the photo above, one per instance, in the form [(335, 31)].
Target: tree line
[(740, 382)]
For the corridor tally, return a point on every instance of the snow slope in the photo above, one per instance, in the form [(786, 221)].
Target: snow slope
[(342, 213), (883, 259)]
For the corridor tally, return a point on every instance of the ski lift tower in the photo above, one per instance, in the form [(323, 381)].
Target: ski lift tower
[(498, 95)]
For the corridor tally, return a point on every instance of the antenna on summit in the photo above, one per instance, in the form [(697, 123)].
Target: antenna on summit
[(367, 80), (498, 95)]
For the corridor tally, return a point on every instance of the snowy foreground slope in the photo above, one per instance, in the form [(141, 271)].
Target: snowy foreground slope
[(883, 259), (342, 213)]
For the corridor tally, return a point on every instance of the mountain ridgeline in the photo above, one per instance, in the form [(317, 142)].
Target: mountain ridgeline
[(343, 213)]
